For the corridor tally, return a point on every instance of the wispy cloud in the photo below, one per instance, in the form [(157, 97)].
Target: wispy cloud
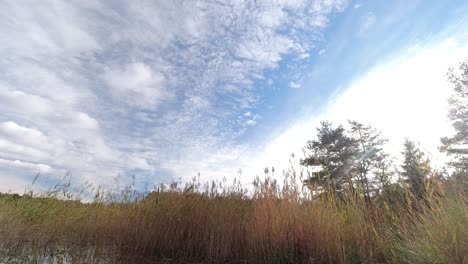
[(148, 85), (137, 84), (367, 23), (294, 85)]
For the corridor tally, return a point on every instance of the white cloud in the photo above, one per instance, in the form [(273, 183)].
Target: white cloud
[(250, 122), (114, 87), (26, 151), (248, 119), (18, 151), (23, 103), (294, 85), (404, 97), (33, 167), (24, 135), (139, 163), (50, 27), (304, 55), (168, 87), (137, 83), (82, 120)]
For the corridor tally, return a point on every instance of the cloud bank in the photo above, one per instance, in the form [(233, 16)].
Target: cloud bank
[(154, 88)]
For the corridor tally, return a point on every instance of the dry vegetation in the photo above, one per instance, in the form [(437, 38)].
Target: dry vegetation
[(224, 224)]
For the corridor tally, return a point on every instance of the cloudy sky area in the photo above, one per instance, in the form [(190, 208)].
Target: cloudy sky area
[(167, 89)]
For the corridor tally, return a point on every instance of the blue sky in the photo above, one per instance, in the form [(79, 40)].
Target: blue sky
[(167, 89)]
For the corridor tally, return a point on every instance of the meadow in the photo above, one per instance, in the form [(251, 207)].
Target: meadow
[(226, 223)]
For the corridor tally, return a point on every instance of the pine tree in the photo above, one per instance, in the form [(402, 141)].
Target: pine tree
[(457, 145), (416, 168), (383, 173), (370, 155), (333, 154)]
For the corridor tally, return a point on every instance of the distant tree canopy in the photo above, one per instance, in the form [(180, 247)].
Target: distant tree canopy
[(354, 160), (457, 145), (345, 160)]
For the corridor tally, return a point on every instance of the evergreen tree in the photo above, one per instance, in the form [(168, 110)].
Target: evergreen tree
[(383, 172), (333, 154), (416, 168), (370, 155), (457, 145)]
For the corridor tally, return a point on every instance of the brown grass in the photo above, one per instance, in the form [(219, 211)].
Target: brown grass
[(224, 225)]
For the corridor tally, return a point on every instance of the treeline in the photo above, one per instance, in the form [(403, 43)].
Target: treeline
[(353, 161)]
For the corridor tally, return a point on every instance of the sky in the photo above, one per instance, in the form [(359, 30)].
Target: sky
[(161, 90)]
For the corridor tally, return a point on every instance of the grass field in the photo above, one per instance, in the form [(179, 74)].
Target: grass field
[(217, 224)]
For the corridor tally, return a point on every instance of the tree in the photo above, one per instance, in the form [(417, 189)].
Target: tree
[(383, 172), (416, 168), (370, 155), (457, 145), (333, 154)]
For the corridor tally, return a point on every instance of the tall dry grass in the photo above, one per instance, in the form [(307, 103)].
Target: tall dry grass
[(223, 224)]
